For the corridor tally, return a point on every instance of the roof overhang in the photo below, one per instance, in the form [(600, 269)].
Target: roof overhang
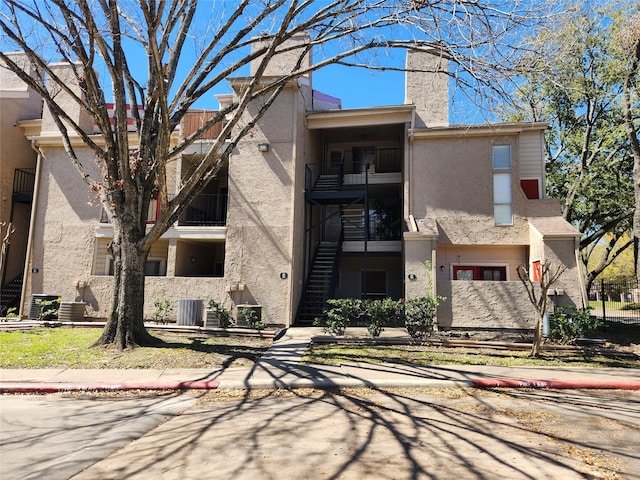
[(477, 130), (359, 117), (555, 227)]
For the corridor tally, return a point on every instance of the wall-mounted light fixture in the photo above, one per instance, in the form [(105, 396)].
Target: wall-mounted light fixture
[(442, 268), (283, 275), (412, 276), (263, 147), (193, 259)]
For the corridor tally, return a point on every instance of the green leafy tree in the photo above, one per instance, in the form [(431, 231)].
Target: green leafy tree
[(216, 40), (619, 270), (627, 41), (578, 86)]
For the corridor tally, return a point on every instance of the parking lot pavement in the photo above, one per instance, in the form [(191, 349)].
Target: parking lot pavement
[(395, 434), (57, 436)]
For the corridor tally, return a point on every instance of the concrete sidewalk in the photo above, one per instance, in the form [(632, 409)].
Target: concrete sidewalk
[(280, 367)]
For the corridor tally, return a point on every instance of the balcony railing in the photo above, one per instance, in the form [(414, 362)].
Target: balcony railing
[(206, 210), (379, 160), (349, 166), (23, 183)]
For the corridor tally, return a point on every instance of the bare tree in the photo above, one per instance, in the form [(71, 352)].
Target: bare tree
[(6, 230), (539, 295), (476, 37)]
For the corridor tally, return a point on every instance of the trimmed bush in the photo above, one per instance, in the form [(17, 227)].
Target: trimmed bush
[(340, 313), (567, 324), (420, 314), (251, 317), (220, 313)]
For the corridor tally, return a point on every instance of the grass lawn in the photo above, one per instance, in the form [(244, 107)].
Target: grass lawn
[(69, 347), (617, 306), (334, 354)]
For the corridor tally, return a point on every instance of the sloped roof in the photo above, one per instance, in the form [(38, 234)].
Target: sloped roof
[(427, 226), (555, 226)]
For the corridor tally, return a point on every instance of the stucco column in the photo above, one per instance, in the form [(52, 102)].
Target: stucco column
[(171, 257), (418, 249)]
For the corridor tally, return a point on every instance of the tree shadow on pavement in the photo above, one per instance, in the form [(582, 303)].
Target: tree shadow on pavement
[(389, 434), (57, 436)]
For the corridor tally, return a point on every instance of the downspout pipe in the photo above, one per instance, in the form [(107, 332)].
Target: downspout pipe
[(32, 222)]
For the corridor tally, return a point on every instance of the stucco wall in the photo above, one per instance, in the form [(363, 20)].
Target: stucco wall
[(485, 305), (416, 252), (427, 87), (261, 209), (561, 251), (98, 295), (17, 102), (78, 114), (509, 256), (64, 245), (283, 63), (452, 181)]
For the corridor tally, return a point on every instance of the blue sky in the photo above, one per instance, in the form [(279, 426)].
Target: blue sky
[(357, 87)]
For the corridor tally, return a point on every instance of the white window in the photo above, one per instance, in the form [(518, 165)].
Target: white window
[(502, 199)]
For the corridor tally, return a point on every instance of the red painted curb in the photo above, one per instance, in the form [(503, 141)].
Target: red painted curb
[(559, 384), (57, 387)]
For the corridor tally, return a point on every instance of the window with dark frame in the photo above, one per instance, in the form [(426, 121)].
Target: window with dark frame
[(482, 273)]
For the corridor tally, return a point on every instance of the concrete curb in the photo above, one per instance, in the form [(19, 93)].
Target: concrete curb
[(329, 383), (558, 384), (321, 383), (59, 387)]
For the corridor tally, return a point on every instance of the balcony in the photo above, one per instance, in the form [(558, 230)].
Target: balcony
[(355, 167), (23, 183), (354, 161), (206, 210)]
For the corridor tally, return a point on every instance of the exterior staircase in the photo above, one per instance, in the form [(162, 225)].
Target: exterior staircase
[(10, 295), (327, 183), (319, 283), (353, 222)]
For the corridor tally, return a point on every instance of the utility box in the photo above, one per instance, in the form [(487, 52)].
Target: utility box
[(42, 302), (71, 311), (190, 312)]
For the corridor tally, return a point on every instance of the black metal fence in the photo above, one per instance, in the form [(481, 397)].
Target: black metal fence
[(616, 303), (616, 300)]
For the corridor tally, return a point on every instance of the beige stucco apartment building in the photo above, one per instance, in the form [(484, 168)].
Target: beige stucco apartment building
[(17, 176), (320, 201)]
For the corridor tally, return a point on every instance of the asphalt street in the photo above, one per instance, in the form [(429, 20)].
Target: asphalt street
[(305, 433)]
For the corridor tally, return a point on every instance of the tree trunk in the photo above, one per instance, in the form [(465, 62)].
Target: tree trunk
[(125, 327), (629, 88), (537, 336), (636, 216)]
